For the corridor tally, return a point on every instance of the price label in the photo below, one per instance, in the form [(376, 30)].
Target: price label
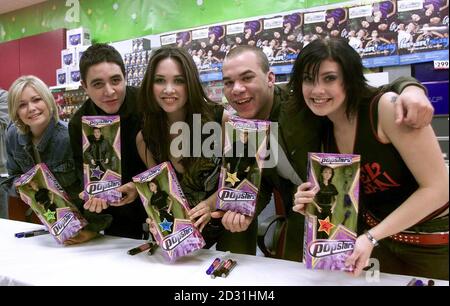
[(441, 64)]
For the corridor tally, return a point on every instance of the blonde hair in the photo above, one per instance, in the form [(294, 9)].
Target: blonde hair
[(15, 93)]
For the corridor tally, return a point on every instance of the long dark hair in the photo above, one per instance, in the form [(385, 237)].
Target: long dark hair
[(155, 128), (322, 169), (338, 50)]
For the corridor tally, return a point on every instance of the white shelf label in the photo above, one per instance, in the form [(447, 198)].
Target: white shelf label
[(441, 64)]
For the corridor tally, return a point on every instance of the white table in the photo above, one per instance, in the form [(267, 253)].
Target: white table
[(41, 261)]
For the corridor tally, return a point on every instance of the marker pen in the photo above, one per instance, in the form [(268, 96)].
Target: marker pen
[(153, 247), (139, 249), (411, 282), (228, 267), (215, 264), (31, 233)]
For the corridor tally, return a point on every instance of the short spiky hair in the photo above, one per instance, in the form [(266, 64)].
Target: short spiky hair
[(99, 53), (338, 50), (263, 61)]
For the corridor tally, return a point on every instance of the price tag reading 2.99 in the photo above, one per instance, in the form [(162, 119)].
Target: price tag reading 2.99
[(441, 64)]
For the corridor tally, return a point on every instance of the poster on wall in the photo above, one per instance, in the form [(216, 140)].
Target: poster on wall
[(372, 32), (336, 22), (313, 27), (422, 30), (252, 32), (384, 33), (280, 41), (234, 35)]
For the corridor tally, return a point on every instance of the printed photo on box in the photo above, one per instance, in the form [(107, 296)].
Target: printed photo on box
[(331, 220), (101, 157), (244, 150)]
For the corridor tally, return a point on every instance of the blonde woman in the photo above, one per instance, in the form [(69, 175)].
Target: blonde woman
[(38, 136)]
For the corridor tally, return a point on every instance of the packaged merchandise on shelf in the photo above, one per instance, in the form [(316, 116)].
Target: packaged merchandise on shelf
[(101, 157), (62, 76), (79, 52), (168, 209), (331, 220), (245, 148), (39, 189), (78, 37), (68, 58), (75, 75)]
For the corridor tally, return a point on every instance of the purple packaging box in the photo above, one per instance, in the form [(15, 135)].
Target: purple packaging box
[(331, 220), (244, 150), (168, 208), (40, 190), (101, 157)]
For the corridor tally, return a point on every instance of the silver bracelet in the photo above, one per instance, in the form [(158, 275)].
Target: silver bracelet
[(371, 239)]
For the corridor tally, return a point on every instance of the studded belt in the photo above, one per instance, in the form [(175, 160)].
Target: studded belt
[(412, 238)]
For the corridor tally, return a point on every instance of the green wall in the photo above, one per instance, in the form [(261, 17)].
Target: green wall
[(115, 20)]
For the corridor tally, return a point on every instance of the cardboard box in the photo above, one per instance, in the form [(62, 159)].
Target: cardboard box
[(41, 191), (240, 177), (101, 157), (78, 37), (331, 221), (168, 208)]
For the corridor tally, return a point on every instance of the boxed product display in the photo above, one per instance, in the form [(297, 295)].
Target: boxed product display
[(79, 52), (331, 220), (75, 75), (101, 157), (245, 149), (168, 209), (68, 58), (41, 191), (62, 76), (78, 37)]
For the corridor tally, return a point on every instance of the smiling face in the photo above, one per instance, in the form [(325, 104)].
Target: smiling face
[(32, 109), (105, 85), (248, 89), (169, 87), (325, 95)]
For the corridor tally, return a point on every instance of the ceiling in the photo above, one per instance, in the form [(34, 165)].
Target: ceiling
[(13, 5)]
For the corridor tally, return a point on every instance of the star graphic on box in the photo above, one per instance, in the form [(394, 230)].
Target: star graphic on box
[(232, 178), (325, 226), (96, 172), (50, 215), (166, 225)]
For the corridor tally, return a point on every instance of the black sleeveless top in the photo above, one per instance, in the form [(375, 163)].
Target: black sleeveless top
[(385, 180)]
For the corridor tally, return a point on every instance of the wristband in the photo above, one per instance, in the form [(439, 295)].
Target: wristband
[(371, 239)]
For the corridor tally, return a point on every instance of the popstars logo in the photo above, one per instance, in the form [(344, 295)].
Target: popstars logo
[(244, 126), (96, 122), (335, 160), (147, 176), (172, 241), (231, 195), (26, 178), (322, 248), (98, 187), (61, 224)]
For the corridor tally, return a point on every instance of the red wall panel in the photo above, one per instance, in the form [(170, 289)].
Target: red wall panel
[(9, 63), (40, 55)]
